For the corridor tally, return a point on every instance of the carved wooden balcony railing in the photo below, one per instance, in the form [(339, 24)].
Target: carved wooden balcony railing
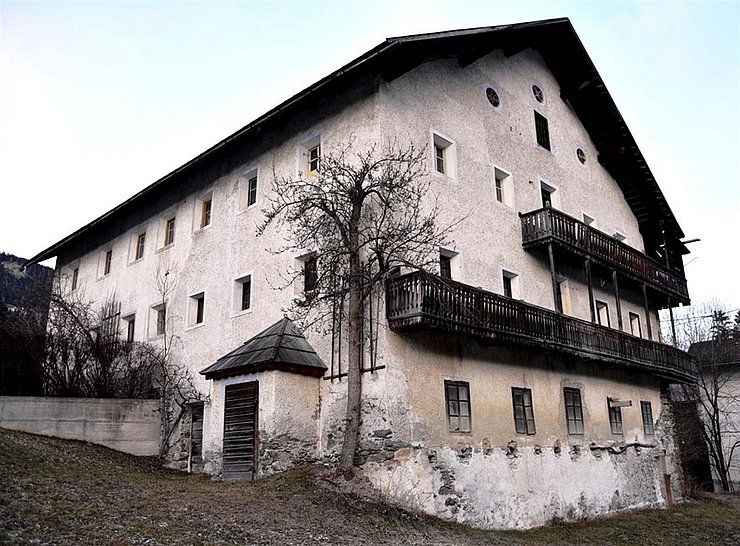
[(420, 300), (547, 225)]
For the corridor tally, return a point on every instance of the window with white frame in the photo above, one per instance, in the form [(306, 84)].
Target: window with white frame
[(157, 320), (243, 294), (620, 236), (502, 186), (75, 278), (444, 155), (203, 211), (196, 309), (168, 228), (449, 264), (129, 328), (635, 325), (248, 186), (602, 313), (510, 284), (105, 262), (307, 274), (139, 245), (310, 156), (563, 291), (549, 194)]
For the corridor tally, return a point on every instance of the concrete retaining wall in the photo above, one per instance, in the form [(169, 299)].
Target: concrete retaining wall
[(132, 426)]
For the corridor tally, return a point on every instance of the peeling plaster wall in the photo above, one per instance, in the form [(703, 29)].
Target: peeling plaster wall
[(493, 488)]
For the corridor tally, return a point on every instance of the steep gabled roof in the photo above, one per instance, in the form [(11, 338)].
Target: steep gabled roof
[(279, 347), (555, 40)]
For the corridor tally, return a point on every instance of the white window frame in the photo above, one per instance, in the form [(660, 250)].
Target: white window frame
[(164, 218), (449, 147), (133, 243), (200, 202), (507, 186), (153, 320), (101, 262), (456, 266), (193, 300), (236, 301), (630, 315), (306, 144), (299, 263), (554, 193), (127, 319), (620, 236), (598, 315), (516, 287), (243, 188)]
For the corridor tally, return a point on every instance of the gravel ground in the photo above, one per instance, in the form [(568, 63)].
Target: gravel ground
[(64, 492)]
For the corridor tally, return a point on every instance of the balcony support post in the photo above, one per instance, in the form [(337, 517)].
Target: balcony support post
[(647, 311), (673, 323), (590, 290), (556, 300), (619, 301)]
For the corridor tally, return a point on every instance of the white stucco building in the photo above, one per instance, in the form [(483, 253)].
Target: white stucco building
[(541, 396)]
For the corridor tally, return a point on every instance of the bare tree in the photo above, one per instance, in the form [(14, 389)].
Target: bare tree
[(84, 354), (173, 379), (715, 343), (363, 215)]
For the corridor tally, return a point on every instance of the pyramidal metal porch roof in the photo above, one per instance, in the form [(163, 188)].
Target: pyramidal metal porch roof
[(282, 346)]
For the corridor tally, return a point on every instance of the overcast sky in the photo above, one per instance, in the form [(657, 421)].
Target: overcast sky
[(100, 99)]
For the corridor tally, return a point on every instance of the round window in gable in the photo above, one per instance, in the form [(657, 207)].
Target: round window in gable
[(581, 155), (539, 96), (493, 96)]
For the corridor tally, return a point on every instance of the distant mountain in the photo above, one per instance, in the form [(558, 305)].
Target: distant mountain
[(17, 285)]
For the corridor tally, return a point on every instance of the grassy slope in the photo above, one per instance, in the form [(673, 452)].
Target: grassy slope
[(64, 492)]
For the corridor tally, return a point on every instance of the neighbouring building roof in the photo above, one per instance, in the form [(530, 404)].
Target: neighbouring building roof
[(716, 353), (282, 346), (558, 44)]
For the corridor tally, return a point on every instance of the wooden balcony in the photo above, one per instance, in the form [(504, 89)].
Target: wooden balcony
[(420, 300), (549, 225)]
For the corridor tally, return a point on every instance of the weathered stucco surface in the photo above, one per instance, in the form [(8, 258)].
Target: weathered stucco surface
[(490, 477)]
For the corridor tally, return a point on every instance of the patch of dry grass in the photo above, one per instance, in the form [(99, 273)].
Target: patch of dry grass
[(63, 492)]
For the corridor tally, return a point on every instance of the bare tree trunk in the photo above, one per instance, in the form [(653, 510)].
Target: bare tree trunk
[(354, 373)]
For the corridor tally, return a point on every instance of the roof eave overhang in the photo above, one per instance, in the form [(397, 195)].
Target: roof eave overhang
[(264, 367), (617, 150)]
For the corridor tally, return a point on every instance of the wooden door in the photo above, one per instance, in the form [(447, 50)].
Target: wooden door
[(240, 431)]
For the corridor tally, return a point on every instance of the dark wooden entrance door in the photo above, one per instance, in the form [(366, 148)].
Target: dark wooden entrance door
[(240, 431)]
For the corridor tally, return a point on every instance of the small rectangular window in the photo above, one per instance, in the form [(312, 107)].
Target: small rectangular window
[(502, 186), (205, 213), (507, 286), (314, 159), (169, 232), (615, 418), (445, 266), (602, 313), (130, 328), (246, 292), (439, 155), (573, 410), (108, 260), (310, 274), (457, 397), (589, 220), (444, 155), (252, 191), (197, 307), (647, 417), (523, 412), (75, 277), (140, 240), (510, 284), (542, 129), (635, 326), (161, 319)]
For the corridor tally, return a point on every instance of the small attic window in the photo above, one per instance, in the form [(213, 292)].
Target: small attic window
[(581, 155), (493, 97), (539, 96)]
